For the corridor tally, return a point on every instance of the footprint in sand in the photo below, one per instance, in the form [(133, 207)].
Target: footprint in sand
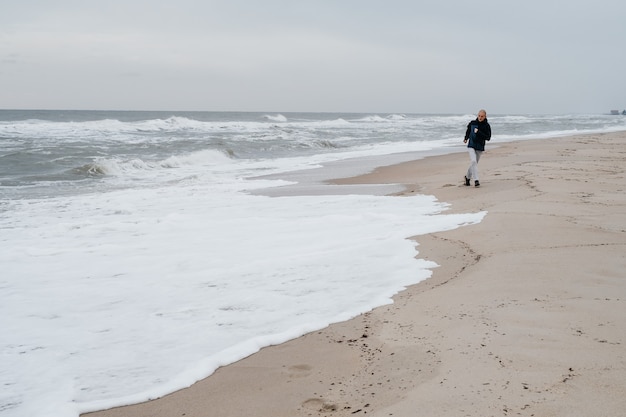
[(320, 405), (299, 371)]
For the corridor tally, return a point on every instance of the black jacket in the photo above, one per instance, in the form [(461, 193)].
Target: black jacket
[(477, 140)]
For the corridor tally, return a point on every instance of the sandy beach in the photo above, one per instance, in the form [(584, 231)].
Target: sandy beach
[(525, 316)]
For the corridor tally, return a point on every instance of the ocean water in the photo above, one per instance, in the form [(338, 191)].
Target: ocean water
[(140, 251)]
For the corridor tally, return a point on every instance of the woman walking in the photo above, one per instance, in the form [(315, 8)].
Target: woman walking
[(477, 133)]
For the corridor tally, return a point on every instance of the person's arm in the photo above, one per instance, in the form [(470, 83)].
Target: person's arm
[(484, 132), (467, 132)]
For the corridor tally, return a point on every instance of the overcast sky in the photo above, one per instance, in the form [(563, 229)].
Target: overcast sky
[(319, 55)]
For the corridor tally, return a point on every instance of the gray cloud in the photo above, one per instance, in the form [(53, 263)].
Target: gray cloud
[(395, 56)]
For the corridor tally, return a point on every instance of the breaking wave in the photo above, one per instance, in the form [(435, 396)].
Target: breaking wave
[(276, 118), (119, 167)]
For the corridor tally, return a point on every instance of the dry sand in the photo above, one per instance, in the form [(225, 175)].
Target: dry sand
[(526, 316)]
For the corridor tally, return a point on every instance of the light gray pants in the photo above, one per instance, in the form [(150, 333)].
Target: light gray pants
[(472, 171)]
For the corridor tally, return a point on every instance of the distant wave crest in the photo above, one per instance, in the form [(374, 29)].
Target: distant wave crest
[(276, 118), (374, 118), (171, 123), (379, 119)]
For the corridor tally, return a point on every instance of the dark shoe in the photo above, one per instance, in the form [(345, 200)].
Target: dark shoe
[(467, 181), (476, 183)]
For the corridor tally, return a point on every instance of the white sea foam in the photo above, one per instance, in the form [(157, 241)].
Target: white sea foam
[(128, 295), (202, 158)]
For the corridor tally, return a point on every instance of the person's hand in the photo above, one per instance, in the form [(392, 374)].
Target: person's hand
[(475, 130), (464, 140)]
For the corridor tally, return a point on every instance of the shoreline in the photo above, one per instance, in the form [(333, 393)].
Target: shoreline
[(526, 314)]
